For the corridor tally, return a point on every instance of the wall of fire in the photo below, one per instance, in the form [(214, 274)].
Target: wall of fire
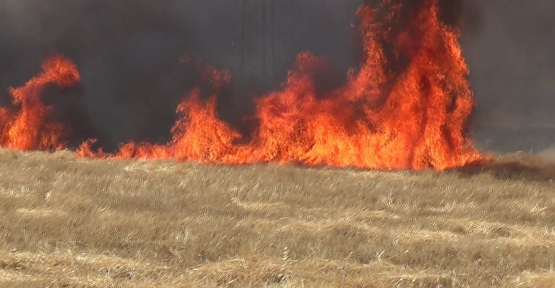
[(127, 52)]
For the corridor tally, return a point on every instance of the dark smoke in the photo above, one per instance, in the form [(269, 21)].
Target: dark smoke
[(128, 52), (509, 48)]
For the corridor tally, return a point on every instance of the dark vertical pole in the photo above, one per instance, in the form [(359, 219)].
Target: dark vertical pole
[(273, 28), (257, 41), (243, 12), (264, 37)]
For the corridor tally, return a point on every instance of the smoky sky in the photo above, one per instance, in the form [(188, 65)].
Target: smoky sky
[(509, 48), (128, 53), (511, 57)]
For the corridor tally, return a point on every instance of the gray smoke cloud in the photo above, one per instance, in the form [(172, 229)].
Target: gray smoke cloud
[(510, 54), (128, 52)]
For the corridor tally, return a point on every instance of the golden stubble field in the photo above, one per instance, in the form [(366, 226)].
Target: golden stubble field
[(69, 222)]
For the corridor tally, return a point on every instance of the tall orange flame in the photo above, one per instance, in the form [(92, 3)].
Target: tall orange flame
[(30, 128), (380, 119)]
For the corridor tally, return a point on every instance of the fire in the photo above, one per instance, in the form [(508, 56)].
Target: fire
[(405, 107), (30, 127)]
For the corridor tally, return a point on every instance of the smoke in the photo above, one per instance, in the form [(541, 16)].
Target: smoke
[(128, 52), (510, 55)]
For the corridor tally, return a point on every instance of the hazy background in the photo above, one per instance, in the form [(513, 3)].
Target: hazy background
[(128, 52), (510, 52)]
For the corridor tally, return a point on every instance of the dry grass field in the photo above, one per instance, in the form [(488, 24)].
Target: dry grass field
[(69, 222)]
